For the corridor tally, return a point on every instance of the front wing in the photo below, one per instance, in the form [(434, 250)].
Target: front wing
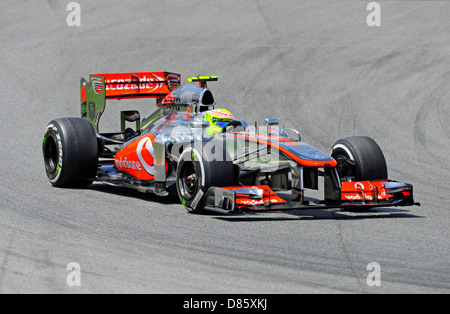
[(354, 194)]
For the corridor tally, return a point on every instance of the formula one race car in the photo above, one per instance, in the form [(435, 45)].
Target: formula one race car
[(212, 160)]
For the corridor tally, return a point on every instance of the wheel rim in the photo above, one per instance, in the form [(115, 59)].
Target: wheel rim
[(51, 155), (188, 181), (346, 166)]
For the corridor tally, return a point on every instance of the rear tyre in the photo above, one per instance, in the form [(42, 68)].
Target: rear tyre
[(197, 171), (359, 158), (70, 152)]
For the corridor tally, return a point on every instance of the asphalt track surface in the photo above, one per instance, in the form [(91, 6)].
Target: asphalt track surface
[(316, 65)]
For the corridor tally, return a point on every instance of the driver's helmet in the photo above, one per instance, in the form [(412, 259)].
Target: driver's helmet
[(218, 119)]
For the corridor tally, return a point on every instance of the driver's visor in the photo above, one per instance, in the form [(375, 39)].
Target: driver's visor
[(222, 124)]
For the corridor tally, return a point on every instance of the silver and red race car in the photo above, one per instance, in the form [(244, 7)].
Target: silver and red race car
[(213, 161)]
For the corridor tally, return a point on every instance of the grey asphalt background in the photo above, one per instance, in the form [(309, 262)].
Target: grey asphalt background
[(315, 65)]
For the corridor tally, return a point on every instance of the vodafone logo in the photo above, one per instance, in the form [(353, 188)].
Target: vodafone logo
[(258, 202), (126, 164), (146, 145), (137, 159)]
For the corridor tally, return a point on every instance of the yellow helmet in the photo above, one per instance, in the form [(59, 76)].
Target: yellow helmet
[(218, 119)]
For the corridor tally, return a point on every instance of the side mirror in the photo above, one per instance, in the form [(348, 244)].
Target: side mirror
[(270, 123), (130, 116)]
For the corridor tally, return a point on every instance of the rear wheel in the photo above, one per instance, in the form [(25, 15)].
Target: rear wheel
[(359, 158), (197, 171), (70, 152)]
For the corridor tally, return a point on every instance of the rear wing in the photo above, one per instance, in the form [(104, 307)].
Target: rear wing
[(100, 87)]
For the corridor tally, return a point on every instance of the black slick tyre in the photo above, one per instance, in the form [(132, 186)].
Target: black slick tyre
[(70, 152), (197, 171), (359, 158)]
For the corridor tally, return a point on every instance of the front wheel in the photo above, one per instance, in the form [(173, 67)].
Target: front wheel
[(197, 171), (359, 158)]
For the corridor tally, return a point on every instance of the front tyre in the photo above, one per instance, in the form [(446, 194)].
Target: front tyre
[(70, 152), (198, 170), (359, 158)]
